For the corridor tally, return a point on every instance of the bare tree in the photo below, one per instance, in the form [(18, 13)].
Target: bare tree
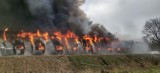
[(152, 31)]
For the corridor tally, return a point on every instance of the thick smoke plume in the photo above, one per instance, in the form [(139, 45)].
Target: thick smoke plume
[(63, 15), (59, 15)]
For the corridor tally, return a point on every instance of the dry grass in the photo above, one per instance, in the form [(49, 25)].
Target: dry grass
[(37, 64), (80, 64)]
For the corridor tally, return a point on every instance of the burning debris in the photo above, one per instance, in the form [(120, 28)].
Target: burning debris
[(57, 41), (18, 45)]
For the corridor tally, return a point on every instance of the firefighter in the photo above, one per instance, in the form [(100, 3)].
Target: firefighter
[(18, 44)]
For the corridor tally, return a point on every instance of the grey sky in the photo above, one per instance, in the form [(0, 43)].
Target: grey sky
[(125, 18)]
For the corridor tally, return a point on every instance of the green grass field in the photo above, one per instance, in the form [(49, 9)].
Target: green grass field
[(117, 63)]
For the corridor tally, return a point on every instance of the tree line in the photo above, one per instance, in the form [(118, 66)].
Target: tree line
[(152, 33)]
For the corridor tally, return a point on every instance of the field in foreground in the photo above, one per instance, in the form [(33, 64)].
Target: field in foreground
[(81, 64)]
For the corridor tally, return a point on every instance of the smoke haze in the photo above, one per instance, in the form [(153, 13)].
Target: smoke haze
[(125, 18)]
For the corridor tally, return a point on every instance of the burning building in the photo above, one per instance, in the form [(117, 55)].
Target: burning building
[(68, 42), (65, 25)]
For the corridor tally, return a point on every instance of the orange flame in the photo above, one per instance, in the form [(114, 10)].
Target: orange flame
[(20, 47), (4, 34), (41, 47), (97, 39), (88, 48), (58, 35), (45, 35), (66, 43), (63, 38), (59, 48), (89, 39), (31, 39), (38, 33)]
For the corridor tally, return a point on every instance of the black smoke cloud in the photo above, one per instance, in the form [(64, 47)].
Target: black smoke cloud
[(62, 15), (50, 15)]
